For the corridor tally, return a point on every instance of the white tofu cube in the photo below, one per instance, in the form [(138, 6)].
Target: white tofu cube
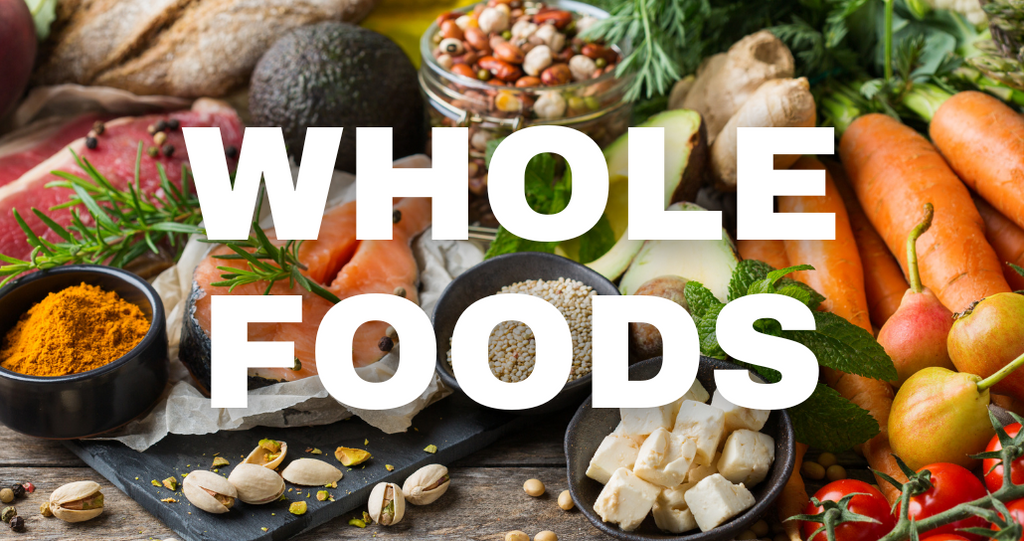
[(746, 457), (620, 430), (697, 393), (715, 500), (643, 421), (703, 424), (614, 452), (626, 500), (664, 458), (671, 512), (700, 471), (737, 417)]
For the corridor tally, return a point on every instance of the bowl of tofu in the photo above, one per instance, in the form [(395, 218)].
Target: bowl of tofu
[(698, 469)]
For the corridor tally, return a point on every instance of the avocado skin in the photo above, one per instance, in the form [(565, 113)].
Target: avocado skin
[(338, 74)]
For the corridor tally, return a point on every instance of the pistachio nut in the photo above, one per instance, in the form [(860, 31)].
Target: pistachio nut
[(256, 485), (350, 456), (426, 485), (77, 502), (209, 492), (269, 453), (310, 472), (387, 504)]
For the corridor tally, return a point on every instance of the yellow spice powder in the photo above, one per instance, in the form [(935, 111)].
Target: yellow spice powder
[(75, 330)]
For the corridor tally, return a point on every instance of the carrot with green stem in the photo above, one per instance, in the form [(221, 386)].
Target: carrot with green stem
[(1007, 239), (894, 170), (982, 138), (884, 283), (841, 280)]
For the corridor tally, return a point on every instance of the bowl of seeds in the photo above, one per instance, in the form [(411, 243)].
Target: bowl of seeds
[(565, 284)]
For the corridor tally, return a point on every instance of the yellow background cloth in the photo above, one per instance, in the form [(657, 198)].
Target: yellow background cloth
[(405, 21)]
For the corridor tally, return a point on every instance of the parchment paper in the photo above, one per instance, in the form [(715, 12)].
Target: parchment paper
[(184, 410)]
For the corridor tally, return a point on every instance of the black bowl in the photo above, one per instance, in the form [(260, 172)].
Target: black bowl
[(488, 278), (93, 402), (589, 426)]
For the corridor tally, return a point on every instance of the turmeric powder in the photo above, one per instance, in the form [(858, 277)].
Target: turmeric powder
[(75, 330)]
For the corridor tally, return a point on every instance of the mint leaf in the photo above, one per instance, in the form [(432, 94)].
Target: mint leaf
[(507, 243), (814, 299), (798, 293), (706, 330), (746, 273), (767, 284), (699, 298), (1017, 268), (596, 242), (841, 345), (816, 419)]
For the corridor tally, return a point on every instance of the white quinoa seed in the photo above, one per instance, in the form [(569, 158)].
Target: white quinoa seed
[(512, 348)]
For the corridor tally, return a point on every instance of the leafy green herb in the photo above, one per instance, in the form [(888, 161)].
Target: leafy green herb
[(126, 224), (835, 342), (548, 195)]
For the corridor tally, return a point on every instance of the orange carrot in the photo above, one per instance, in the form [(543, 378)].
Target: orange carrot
[(884, 283), (982, 138), (895, 171), (838, 274), (840, 278), (793, 500), (1006, 238), (772, 252)]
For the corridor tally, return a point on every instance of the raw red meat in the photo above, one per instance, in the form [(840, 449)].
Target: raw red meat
[(21, 155), (114, 157)]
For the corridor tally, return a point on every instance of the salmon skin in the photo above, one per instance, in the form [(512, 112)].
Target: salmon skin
[(336, 260)]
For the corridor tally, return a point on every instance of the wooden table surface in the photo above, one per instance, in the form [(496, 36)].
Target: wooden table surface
[(486, 497)]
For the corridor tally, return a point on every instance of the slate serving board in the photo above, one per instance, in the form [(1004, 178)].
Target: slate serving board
[(456, 425)]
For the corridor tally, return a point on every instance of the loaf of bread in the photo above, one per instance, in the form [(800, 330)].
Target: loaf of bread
[(186, 48)]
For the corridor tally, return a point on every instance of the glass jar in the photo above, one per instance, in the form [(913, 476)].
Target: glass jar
[(493, 110)]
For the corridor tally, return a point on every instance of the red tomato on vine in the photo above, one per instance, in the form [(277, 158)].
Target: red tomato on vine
[(994, 477), (952, 485), (869, 502)]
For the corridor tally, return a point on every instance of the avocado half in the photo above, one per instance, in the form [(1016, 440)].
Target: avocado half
[(334, 74)]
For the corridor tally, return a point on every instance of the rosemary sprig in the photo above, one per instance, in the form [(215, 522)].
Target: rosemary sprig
[(125, 224), (267, 262)]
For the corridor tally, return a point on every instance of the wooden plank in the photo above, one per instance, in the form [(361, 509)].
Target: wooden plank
[(26, 451), (482, 504)]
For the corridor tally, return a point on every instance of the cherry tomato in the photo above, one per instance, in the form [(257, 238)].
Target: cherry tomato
[(951, 486), (871, 503), (994, 477), (1016, 508), (945, 537)]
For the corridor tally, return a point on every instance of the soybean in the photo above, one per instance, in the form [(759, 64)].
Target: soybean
[(835, 472), (746, 536), (534, 487), (565, 500), (516, 535), (760, 528), (826, 459), (546, 535), (813, 470)]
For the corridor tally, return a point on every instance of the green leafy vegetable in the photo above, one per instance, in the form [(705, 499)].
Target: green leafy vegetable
[(43, 14), (835, 342)]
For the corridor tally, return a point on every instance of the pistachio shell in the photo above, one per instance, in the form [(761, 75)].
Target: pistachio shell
[(379, 503), (310, 472), (259, 456), (196, 488), (74, 492), (256, 485), (426, 485)]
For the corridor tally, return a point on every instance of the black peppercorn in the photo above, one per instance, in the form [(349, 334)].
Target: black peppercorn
[(386, 344), (231, 151), (161, 125), (173, 124), (17, 524), (396, 216), (91, 142), (168, 150), (19, 490)]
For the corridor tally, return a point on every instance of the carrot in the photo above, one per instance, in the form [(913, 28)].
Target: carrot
[(772, 252), (884, 284), (895, 171), (982, 138), (1006, 238), (840, 278), (838, 274), (793, 500)]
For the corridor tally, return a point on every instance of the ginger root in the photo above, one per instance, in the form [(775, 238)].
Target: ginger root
[(776, 103), (725, 81)]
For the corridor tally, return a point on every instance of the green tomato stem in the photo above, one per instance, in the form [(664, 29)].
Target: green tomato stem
[(912, 269), (1002, 373)]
